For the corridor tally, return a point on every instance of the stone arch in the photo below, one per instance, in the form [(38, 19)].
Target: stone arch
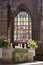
[(23, 7), (20, 7)]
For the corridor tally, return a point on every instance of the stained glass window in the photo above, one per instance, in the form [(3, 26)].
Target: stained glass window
[(22, 27)]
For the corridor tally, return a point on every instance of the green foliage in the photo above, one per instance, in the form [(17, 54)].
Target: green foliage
[(32, 44), (5, 43)]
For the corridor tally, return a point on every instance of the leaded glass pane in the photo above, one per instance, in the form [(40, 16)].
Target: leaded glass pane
[(22, 26), (26, 19), (18, 22), (18, 19)]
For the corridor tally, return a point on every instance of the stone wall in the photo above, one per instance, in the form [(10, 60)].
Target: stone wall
[(3, 20), (33, 7)]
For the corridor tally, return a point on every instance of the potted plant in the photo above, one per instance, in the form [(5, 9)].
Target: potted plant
[(7, 50), (31, 44)]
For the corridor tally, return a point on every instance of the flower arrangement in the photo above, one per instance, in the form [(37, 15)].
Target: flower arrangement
[(32, 44), (5, 43)]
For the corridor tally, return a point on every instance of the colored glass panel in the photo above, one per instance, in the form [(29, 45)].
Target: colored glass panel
[(22, 26)]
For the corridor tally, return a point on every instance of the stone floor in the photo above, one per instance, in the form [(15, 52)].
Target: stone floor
[(30, 63)]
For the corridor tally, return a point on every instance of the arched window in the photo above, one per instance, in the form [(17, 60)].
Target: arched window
[(22, 27)]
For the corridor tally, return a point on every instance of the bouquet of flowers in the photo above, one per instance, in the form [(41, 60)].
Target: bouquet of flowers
[(32, 44), (5, 43)]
